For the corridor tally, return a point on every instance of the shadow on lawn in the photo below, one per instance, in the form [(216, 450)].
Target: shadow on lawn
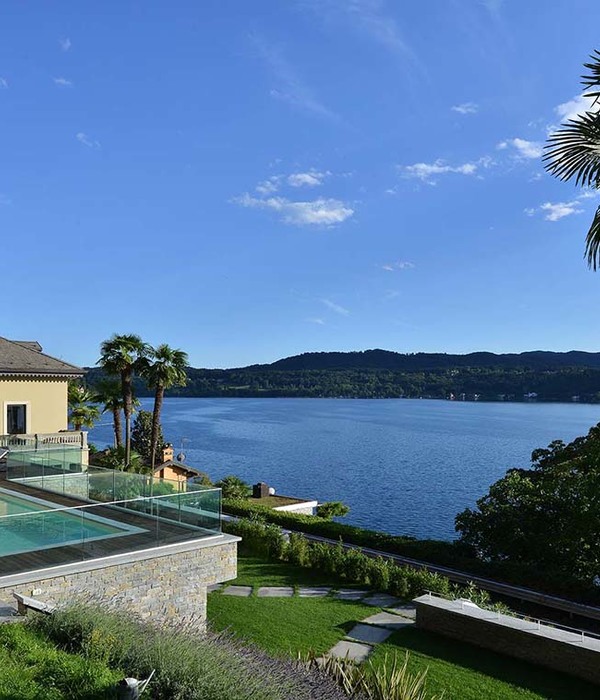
[(550, 684)]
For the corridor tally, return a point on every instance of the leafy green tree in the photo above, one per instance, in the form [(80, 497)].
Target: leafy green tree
[(332, 509), (141, 437), (114, 458), (547, 517), (82, 412), (574, 152), (233, 487), (165, 369), (123, 355)]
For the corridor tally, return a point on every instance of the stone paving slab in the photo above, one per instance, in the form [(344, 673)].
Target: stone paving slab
[(368, 633), (313, 592), (275, 592), (388, 620), (238, 591), (405, 610), (214, 587), (350, 594), (381, 600), (351, 650)]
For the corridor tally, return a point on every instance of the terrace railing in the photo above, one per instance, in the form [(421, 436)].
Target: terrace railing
[(52, 536), (39, 441)]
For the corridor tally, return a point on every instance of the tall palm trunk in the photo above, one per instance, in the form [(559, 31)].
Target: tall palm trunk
[(127, 410), (117, 426), (158, 402)]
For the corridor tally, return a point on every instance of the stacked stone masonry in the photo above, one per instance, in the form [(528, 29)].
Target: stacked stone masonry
[(164, 587)]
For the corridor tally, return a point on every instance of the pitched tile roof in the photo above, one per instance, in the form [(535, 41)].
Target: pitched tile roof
[(18, 357)]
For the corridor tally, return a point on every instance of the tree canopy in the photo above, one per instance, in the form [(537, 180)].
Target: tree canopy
[(547, 516)]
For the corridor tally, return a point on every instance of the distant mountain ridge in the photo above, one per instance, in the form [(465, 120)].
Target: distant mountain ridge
[(537, 375), (422, 361)]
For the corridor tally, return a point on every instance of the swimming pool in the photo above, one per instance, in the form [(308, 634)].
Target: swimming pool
[(28, 524)]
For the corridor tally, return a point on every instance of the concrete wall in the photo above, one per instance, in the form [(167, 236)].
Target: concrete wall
[(163, 586), (546, 646), (46, 400)]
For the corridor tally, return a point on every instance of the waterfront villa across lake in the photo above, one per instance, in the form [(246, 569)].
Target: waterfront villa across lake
[(72, 531)]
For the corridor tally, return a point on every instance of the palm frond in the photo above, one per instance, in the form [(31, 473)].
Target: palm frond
[(574, 150), (592, 242), (593, 78)]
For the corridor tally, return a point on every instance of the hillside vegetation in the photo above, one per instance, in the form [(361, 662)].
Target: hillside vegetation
[(544, 376)]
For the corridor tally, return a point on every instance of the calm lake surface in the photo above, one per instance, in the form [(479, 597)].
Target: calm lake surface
[(403, 466)]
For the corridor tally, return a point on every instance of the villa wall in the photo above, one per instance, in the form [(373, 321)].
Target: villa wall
[(46, 399), (164, 585)]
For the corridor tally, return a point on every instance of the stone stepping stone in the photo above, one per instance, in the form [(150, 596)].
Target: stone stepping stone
[(381, 600), (275, 592), (313, 592), (370, 634), (354, 651), (388, 620), (405, 610), (238, 591), (214, 587), (350, 594)]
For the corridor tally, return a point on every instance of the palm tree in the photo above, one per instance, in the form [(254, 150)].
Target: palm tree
[(123, 355), (574, 152), (166, 369), (108, 393), (82, 412)]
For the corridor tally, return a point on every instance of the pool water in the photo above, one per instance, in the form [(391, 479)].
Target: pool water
[(29, 524)]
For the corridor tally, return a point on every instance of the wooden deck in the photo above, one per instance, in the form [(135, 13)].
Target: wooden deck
[(156, 533)]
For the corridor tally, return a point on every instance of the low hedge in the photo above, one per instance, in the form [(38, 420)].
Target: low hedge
[(268, 540), (451, 554)]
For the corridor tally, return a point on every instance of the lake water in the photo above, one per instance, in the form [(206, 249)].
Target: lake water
[(403, 466)]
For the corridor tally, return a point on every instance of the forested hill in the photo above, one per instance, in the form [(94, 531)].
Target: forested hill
[(423, 361), (483, 376)]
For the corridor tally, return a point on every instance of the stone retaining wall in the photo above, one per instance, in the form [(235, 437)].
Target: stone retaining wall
[(540, 644), (163, 585)]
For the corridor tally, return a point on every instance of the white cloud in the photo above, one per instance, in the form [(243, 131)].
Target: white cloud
[(270, 185), (555, 211), (523, 149), (318, 321), (573, 108), (427, 171), (558, 210), (87, 141), (332, 306), (466, 108), (65, 44), (312, 178), (3, 84), (398, 265), (62, 82), (318, 212)]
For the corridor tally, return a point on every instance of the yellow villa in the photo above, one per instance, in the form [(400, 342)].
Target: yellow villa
[(33, 389)]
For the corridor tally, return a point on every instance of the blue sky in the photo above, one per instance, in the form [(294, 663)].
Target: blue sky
[(251, 180)]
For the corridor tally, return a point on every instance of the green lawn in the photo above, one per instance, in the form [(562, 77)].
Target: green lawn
[(466, 672), (285, 626)]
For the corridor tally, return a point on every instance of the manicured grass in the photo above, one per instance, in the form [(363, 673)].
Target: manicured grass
[(254, 571), (466, 672), (286, 626)]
